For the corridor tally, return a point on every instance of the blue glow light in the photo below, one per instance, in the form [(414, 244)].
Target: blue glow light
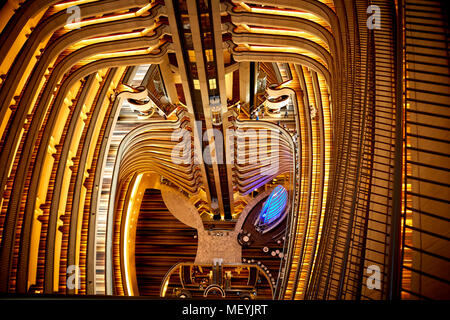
[(274, 207)]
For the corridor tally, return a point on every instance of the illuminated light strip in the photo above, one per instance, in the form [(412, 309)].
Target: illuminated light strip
[(290, 13), (327, 124), (112, 38), (244, 5), (80, 24), (258, 48), (286, 32), (144, 9), (329, 3), (127, 227), (62, 6), (327, 112), (122, 53), (303, 197), (286, 12), (315, 187), (407, 201), (166, 285), (314, 220)]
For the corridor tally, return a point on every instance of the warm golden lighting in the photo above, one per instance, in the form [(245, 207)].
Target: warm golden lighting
[(76, 25), (127, 227)]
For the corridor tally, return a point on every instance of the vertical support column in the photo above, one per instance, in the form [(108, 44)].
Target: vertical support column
[(229, 85), (203, 81), (217, 30), (252, 86), (168, 80), (187, 93), (395, 258), (244, 81), (179, 53)]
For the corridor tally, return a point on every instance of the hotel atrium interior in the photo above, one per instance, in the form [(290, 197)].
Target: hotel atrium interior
[(225, 149)]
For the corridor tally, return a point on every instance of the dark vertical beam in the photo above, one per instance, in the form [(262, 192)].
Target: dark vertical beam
[(395, 232), (252, 86)]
